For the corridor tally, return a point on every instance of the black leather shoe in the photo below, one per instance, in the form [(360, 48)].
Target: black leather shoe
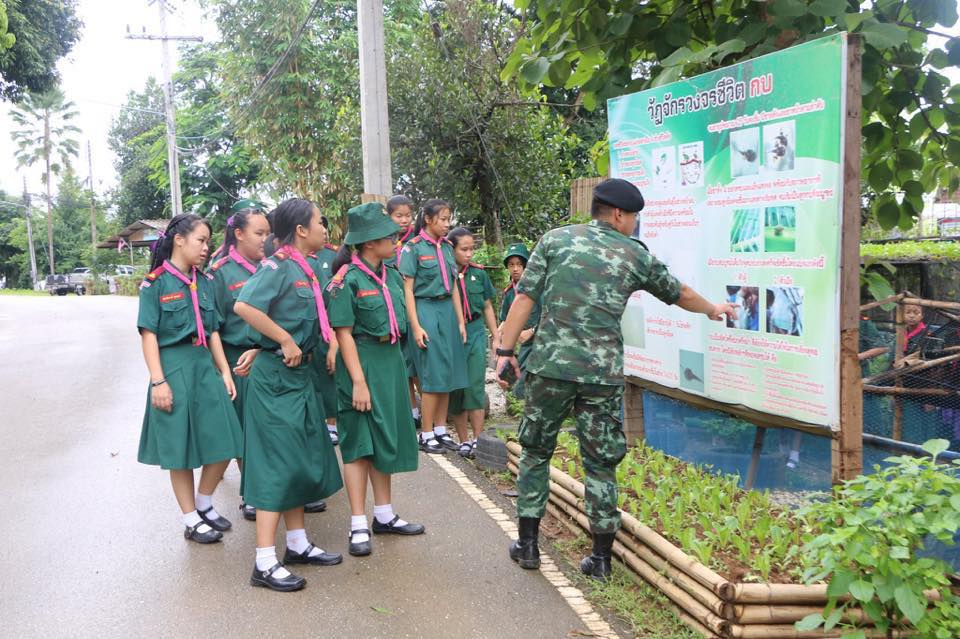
[(249, 512), (265, 579), (361, 549), (447, 441), (525, 550), (391, 527), (598, 565), (431, 446), (315, 507), (217, 523), (193, 534), (322, 559)]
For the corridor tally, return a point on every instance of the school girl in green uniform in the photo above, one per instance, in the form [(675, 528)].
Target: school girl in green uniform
[(516, 262), (437, 328), (476, 299), (377, 434), (241, 251), (288, 458), (189, 422), (400, 210), (322, 263)]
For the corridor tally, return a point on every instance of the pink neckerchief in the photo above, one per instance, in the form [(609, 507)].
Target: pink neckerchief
[(382, 281), (906, 338), (170, 268), (241, 260), (325, 331), (440, 258), (467, 313), (401, 241)]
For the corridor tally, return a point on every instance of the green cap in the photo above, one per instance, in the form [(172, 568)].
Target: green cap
[(368, 222), (243, 205), (517, 250)]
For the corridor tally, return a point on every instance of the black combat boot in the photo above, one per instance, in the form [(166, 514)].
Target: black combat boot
[(597, 565), (525, 550)]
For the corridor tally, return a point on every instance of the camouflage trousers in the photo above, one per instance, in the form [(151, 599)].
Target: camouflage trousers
[(596, 408)]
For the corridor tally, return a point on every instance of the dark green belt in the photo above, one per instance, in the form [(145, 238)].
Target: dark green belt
[(363, 337), (436, 299)]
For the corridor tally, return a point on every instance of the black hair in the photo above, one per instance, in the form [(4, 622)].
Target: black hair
[(290, 214), (182, 224), (270, 245), (239, 220), (431, 208), (457, 233), (397, 201), (343, 257), (325, 222), (599, 208)]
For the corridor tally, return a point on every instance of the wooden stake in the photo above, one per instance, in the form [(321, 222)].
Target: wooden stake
[(633, 426)]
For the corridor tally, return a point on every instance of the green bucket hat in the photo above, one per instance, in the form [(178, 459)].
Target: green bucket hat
[(517, 250), (368, 222), (243, 205)]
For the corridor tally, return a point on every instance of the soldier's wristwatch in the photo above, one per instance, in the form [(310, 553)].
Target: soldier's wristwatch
[(505, 352)]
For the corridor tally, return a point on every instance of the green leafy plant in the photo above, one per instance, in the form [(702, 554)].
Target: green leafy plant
[(870, 554), (910, 250)]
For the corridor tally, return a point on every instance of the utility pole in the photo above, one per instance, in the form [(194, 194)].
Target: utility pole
[(173, 163), (374, 122), (93, 210), (33, 254)]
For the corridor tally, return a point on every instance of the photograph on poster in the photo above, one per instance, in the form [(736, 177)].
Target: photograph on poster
[(691, 164), (785, 310), (779, 142), (748, 299), (664, 167), (746, 231), (634, 327), (691, 370), (745, 152), (780, 229)]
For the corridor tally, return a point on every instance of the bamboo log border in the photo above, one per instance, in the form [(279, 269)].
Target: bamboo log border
[(708, 603)]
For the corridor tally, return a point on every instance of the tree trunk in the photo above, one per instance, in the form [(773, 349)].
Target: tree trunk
[(46, 157)]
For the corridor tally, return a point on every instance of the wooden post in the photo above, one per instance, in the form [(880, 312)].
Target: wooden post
[(581, 194), (755, 458), (847, 445), (374, 119), (899, 343), (370, 197), (633, 414)]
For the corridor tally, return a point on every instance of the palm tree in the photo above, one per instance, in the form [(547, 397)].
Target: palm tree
[(44, 121)]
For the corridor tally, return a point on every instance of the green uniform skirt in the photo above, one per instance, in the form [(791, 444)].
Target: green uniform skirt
[(474, 395), (202, 428), (233, 354), (385, 435), (407, 343), (522, 356), (326, 386), (288, 459), (441, 365)]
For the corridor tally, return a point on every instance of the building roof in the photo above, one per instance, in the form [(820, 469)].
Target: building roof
[(140, 233)]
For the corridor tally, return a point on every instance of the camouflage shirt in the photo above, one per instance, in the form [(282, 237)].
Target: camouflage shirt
[(582, 276)]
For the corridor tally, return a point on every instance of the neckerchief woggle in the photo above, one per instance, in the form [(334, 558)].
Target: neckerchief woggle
[(325, 331), (382, 281), (440, 258), (241, 260), (192, 285)]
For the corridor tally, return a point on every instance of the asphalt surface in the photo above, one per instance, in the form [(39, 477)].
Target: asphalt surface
[(92, 540)]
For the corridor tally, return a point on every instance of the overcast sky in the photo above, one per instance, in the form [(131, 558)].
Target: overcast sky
[(99, 72)]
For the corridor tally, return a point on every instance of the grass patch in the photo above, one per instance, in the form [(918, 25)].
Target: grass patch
[(23, 291), (922, 250)]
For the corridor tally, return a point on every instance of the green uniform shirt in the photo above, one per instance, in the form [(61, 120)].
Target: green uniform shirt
[(583, 275), (418, 260), (167, 310), (391, 262), (228, 280), (322, 263), (280, 289), (510, 294), (357, 300), (479, 290)]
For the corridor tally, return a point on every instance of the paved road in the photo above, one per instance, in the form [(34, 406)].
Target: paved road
[(92, 544)]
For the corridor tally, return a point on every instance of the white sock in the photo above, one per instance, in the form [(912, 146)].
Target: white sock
[(415, 412), (332, 428), (266, 557), (204, 502), (385, 515), (427, 435), (193, 518), (795, 456), (359, 522), (440, 430), (298, 543)]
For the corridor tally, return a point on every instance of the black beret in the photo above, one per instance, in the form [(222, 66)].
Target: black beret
[(619, 194)]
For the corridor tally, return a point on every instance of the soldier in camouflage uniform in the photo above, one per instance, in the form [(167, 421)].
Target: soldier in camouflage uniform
[(582, 276)]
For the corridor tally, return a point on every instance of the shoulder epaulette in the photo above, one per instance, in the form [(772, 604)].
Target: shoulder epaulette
[(206, 275), (280, 255), (479, 266), (337, 281), (155, 273), (330, 246), (509, 286), (447, 241), (414, 239), (219, 263), (312, 254)]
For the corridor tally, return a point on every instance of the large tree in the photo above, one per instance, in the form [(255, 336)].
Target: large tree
[(911, 129), (45, 136), (43, 32)]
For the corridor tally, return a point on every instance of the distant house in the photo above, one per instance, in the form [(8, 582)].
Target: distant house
[(140, 233)]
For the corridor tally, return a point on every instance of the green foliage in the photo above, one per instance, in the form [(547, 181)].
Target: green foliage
[(873, 550), (911, 119), (34, 35), (923, 250)]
